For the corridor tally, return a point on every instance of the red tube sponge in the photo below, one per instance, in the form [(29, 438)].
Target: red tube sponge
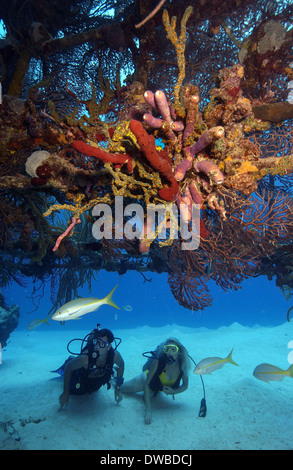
[(148, 147), (118, 159)]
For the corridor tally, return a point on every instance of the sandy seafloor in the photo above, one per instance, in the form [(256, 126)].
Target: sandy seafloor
[(243, 412)]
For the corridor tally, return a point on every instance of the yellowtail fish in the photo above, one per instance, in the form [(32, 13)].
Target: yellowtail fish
[(76, 308), (210, 364), (269, 373), (38, 322)]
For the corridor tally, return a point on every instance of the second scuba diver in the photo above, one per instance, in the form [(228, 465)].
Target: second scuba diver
[(166, 371)]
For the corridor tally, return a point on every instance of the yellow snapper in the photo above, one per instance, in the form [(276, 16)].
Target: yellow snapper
[(210, 364), (268, 372), (76, 308), (38, 322)]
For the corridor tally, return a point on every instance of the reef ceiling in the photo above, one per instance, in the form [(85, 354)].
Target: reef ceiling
[(162, 103)]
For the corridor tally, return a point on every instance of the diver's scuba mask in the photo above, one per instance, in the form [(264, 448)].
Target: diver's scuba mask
[(100, 343), (170, 349)]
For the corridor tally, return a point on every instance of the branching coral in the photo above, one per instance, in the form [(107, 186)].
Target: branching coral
[(179, 44)]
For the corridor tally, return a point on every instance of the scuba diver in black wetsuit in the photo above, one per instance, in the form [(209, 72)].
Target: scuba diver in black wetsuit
[(93, 367)]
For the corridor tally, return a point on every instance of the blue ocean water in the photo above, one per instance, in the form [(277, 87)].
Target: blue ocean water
[(257, 302), (243, 412)]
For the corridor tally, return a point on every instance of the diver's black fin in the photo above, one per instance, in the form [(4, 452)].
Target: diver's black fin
[(60, 369)]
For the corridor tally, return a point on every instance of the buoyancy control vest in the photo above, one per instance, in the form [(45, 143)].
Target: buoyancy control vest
[(82, 383), (155, 384)]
